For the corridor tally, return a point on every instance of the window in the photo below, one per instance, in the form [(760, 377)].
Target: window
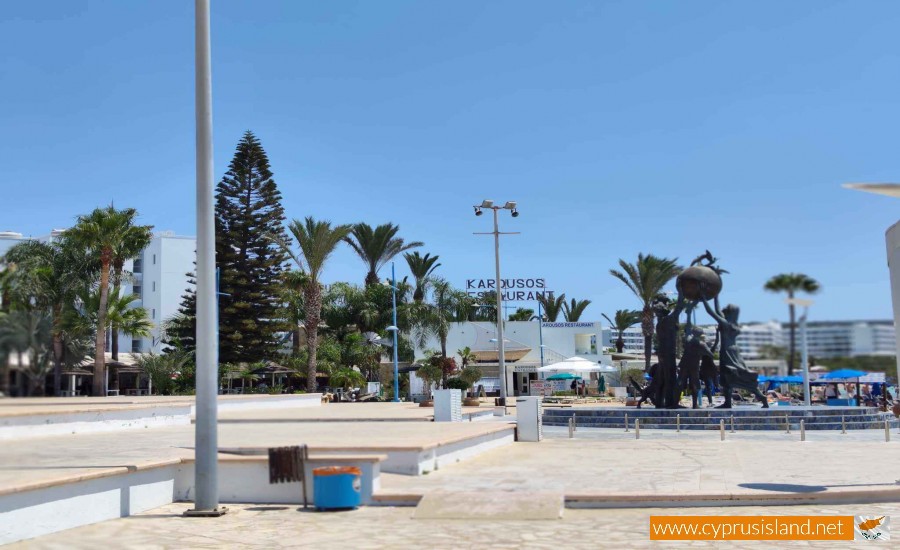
[(153, 316), (135, 346), (138, 266), (154, 259), (137, 289), (154, 286)]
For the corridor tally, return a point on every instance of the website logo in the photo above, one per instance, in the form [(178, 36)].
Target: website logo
[(872, 528)]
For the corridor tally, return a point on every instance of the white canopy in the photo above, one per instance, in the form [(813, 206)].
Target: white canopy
[(576, 364)]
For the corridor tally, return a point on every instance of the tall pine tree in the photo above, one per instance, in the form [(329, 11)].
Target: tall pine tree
[(248, 215), (180, 332)]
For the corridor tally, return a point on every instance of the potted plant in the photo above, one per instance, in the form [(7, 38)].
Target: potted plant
[(457, 383), (429, 373), (470, 374)]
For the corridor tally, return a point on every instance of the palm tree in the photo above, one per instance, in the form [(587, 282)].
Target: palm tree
[(792, 283), (521, 314), (293, 285), (572, 312), (377, 246), (450, 306), (134, 239), (47, 276), (553, 306), (421, 267), (466, 356), (29, 331), (317, 240), (346, 378), (133, 321), (624, 319), (646, 278), (102, 233)]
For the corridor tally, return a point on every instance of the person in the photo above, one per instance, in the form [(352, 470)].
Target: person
[(830, 392), (583, 389), (574, 386)]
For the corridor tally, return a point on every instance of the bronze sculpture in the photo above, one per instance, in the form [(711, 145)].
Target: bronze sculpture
[(733, 372), (669, 378)]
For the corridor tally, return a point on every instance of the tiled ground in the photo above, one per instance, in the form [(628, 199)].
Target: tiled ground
[(256, 526)]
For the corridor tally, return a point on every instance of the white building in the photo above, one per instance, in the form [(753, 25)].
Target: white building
[(159, 279), (824, 338), (523, 348)]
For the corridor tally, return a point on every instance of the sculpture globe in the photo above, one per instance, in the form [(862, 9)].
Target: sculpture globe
[(692, 279)]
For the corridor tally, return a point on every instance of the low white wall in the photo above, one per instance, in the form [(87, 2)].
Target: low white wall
[(248, 482), (34, 513), (30, 514), (264, 402), (42, 425)]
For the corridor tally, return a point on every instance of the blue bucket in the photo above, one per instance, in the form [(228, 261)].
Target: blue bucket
[(336, 488)]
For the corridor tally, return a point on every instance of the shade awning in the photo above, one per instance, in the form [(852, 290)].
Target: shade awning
[(576, 364)]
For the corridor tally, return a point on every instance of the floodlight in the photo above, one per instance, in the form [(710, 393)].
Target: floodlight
[(510, 205), (486, 203)]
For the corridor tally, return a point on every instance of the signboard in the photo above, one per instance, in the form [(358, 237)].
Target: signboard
[(514, 290), (537, 387), (567, 325)]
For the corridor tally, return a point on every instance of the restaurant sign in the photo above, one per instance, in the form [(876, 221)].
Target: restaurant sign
[(514, 290)]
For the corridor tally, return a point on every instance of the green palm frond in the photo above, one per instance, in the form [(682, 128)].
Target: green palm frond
[(377, 246)]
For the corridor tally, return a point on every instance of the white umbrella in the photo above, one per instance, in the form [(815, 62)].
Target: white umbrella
[(575, 364)]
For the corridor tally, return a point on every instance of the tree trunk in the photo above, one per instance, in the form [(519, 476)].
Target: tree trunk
[(371, 278), (647, 328), (295, 341), (57, 363), (99, 385), (792, 314), (620, 344), (117, 284), (313, 313)]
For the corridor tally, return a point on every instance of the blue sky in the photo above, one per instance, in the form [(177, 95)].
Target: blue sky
[(619, 127)]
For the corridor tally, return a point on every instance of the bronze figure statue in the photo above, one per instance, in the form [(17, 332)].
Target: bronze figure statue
[(733, 372)]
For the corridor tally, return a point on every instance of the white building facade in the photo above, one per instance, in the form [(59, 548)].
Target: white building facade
[(160, 279), (824, 338)]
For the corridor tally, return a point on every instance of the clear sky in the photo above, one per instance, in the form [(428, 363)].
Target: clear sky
[(619, 127)]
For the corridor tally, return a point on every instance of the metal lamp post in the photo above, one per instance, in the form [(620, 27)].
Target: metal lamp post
[(804, 350), (541, 331), (394, 330), (501, 359), (206, 482)]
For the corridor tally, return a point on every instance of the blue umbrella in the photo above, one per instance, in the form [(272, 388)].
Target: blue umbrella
[(564, 376), (843, 373), (793, 379)]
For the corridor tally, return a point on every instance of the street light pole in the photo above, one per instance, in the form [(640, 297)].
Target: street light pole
[(541, 331), (206, 482), (804, 351), (395, 331), (501, 358)]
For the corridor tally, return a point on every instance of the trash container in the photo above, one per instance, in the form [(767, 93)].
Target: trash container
[(336, 487)]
